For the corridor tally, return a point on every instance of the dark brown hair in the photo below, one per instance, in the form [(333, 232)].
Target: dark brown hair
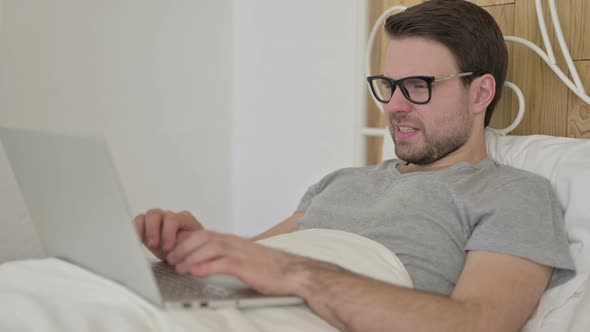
[(467, 30)]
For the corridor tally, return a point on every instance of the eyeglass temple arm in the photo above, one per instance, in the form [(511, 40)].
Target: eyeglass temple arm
[(442, 78)]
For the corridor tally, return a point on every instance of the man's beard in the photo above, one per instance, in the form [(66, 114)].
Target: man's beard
[(435, 146)]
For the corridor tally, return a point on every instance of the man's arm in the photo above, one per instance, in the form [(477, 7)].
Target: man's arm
[(495, 292)]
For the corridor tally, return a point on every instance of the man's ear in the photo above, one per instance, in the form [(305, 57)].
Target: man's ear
[(483, 90)]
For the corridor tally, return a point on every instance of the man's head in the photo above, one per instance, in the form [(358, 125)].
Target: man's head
[(437, 39)]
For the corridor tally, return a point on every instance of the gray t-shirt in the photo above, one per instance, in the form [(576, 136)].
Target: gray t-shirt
[(431, 219)]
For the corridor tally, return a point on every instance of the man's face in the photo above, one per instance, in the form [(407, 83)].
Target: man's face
[(426, 133)]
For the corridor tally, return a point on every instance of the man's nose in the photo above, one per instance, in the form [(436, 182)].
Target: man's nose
[(397, 103)]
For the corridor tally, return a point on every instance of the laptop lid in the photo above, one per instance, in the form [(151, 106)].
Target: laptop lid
[(70, 187)]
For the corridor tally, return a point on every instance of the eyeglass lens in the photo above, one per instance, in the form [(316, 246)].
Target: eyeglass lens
[(415, 89)]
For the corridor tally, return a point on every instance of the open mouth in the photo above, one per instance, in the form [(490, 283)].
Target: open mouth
[(406, 129), (405, 132)]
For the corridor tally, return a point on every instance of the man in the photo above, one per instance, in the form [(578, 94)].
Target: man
[(479, 240)]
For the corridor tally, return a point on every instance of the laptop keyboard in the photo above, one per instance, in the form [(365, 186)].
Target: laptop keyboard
[(182, 287)]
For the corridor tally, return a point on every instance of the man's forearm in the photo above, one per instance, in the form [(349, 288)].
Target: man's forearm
[(495, 292), (352, 302)]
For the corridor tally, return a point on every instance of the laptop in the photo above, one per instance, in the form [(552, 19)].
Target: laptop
[(81, 215)]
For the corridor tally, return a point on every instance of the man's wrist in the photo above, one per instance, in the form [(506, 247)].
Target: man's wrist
[(307, 275)]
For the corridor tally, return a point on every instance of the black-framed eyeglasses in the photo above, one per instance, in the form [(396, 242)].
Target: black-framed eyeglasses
[(416, 89)]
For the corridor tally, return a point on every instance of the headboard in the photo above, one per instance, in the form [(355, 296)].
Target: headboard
[(551, 107)]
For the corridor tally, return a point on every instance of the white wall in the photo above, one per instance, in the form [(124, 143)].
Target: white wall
[(296, 102), (154, 76), (230, 109)]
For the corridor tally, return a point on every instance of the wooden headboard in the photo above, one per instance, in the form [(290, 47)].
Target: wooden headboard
[(551, 108)]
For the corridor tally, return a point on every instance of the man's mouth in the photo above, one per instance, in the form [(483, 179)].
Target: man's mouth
[(405, 132), (406, 129)]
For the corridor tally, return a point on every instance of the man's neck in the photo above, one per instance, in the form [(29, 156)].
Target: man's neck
[(472, 152), (409, 167)]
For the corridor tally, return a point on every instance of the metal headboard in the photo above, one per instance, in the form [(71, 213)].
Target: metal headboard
[(576, 86)]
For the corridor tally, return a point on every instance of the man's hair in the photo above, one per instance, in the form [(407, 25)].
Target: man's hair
[(467, 30)]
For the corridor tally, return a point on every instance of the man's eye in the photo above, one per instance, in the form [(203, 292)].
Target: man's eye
[(416, 85)]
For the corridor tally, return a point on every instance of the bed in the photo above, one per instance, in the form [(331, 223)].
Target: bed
[(57, 296)]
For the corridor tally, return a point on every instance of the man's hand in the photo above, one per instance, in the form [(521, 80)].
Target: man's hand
[(161, 230), (267, 270)]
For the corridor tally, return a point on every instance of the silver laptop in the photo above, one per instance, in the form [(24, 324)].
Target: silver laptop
[(77, 205)]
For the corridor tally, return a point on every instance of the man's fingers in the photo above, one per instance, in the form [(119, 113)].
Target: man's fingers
[(207, 252), (153, 223), (161, 230), (190, 244), (202, 252), (170, 227), (188, 222)]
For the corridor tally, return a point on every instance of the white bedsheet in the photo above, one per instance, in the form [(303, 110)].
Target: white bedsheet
[(52, 295)]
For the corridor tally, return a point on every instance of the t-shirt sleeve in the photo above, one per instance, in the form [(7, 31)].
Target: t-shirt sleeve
[(523, 218), (311, 192), (315, 189)]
